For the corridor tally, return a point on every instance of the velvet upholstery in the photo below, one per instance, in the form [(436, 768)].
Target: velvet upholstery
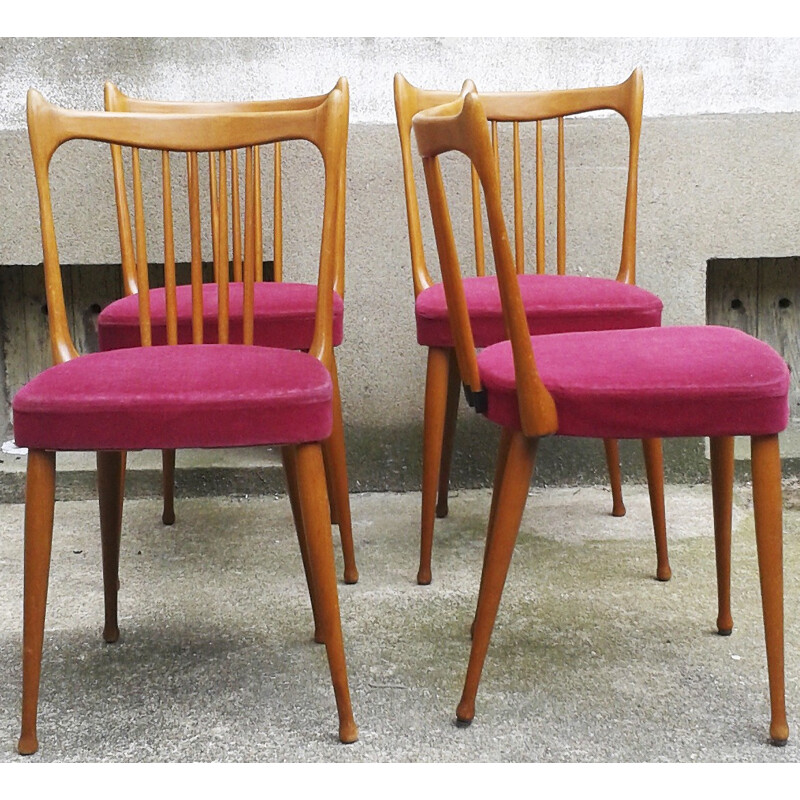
[(648, 383), (284, 315), (176, 396), (553, 304)]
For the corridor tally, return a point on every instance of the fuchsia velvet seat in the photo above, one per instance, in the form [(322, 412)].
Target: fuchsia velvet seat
[(649, 382), (553, 304), (653, 382), (283, 316), (176, 396)]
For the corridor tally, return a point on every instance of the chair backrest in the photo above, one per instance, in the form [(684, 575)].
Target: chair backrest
[(408, 100), (116, 101), (462, 126), (516, 109), (323, 125)]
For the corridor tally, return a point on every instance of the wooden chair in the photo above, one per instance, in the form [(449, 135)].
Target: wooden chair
[(283, 312), (223, 394), (554, 303), (640, 383)]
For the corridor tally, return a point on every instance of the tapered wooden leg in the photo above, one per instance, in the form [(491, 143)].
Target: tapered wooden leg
[(449, 435), (614, 477), (39, 507), (432, 435), (110, 493), (768, 512), (654, 467), (500, 545), (168, 486), (316, 516), (289, 457), (334, 453), (499, 472), (722, 497)]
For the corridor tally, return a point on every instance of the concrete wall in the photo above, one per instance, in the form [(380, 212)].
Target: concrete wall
[(719, 174)]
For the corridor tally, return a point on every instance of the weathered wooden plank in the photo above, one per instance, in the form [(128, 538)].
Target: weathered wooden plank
[(779, 315), (732, 294)]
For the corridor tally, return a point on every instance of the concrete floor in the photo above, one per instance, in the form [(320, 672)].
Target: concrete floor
[(591, 659)]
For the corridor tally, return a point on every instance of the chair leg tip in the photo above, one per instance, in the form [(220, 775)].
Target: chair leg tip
[(168, 518), (465, 713), (319, 638), (111, 634), (442, 510), (351, 575), (348, 732), (618, 510), (779, 735), (663, 574), (27, 745), (424, 577), (724, 631)]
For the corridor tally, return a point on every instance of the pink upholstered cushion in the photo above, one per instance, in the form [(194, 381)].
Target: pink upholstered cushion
[(554, 304), (284, 315), (174, 397), (648, 383)]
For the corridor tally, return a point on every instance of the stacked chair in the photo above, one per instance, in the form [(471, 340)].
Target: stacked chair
[(227, 392), (283, 312), (554, 303), (644, 383)]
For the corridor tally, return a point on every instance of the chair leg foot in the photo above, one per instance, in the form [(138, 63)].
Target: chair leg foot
[(348, 732), (351, 576), (465, 713), (424, 576), (28, 744), (442, 509), (663, 573), (110, 634), (778, 734)]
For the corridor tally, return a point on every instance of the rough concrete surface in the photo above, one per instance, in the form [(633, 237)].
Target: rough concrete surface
[(591, 659)]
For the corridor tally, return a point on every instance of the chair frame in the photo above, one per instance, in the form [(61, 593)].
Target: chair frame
[(49, 127), (462, 126), (334, 448), (442, 377)]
